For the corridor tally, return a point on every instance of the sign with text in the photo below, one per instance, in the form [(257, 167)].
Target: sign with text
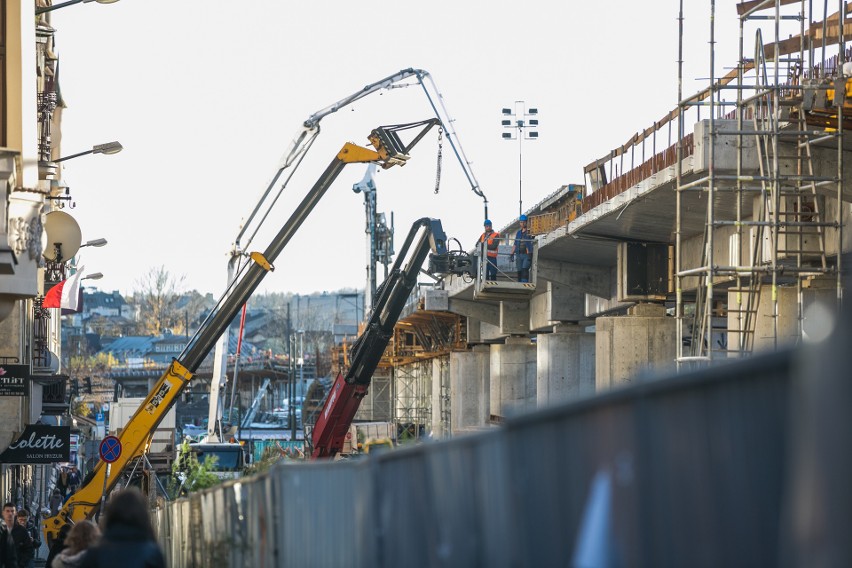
[(13, 379), (39, 444)]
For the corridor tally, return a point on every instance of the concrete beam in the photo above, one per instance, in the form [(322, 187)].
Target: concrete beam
[(482, 311), (559, 303), (592, 279)]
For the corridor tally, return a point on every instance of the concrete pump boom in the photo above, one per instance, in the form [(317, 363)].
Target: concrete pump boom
[(291, 159)]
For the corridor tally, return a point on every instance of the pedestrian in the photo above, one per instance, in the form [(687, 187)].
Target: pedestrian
[(62, 482), (127, 534), (23, 518), (83, 536), (491, 239), (522, 250), (23, 544), (58, 545), (8, 557), (73, 480), (55, 502)]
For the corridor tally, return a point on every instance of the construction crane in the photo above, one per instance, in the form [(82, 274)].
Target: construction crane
[(388, 150), (426, 238)]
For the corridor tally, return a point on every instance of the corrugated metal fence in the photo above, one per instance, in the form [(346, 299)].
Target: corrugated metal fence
[(688, 471)]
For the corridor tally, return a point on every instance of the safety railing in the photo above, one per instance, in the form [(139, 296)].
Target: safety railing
[(504, 272)]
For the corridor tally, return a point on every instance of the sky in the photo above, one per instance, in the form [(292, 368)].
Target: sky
[(206, 95)]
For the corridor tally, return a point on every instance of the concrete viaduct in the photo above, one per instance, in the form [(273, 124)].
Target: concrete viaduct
[(602, 311)]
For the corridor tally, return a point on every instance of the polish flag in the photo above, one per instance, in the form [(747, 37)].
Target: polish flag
[(66, 294)]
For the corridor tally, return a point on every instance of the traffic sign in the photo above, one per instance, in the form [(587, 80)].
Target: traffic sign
[(110, 449)]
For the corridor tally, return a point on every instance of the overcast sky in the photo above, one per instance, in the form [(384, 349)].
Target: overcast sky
[(206, 95)]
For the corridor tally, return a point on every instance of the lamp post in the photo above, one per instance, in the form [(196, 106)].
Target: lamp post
[(92, 276), (109, 148), (301, 333), (517, 119), (69, 3), (59, 189)]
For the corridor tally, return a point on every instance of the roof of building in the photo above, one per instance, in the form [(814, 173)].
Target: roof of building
[(98, 299)]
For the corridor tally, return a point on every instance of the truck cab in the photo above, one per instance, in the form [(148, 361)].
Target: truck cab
[(230, 458)]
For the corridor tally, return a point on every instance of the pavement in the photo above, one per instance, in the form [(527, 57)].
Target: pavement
[(41, 555)]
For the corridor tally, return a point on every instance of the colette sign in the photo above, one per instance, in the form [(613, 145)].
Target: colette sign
[(39, 444)]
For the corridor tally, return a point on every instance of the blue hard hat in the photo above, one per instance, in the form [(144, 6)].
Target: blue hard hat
[(487, 222), (522, 218)]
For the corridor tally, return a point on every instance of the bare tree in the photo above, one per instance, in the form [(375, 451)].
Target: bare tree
[(157, 298)]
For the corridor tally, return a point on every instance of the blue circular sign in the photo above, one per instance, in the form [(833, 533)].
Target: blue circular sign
[(110, 449)]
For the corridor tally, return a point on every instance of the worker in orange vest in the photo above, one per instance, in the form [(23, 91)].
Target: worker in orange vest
[(491, 239)]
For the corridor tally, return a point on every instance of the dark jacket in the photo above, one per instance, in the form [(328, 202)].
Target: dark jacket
[(58, 544), (8, 557), (24, 548), (134, 548)]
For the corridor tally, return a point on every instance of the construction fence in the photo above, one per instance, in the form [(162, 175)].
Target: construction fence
[(695, 470)]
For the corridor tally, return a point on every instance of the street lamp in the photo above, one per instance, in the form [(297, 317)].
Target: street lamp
[(517, 119), (69, 3), (94, 243), (93, 276), (109, 148)]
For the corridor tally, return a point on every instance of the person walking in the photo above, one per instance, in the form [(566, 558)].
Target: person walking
[(491, 239), (80, 539), (23, 518), (62, 483), (8, 557), (23, 544), (55, 502), (127, 534), (73, 480), (58, 545), (522, 250)]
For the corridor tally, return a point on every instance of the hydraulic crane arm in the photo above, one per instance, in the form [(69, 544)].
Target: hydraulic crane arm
[(342, 402), (388, 150)]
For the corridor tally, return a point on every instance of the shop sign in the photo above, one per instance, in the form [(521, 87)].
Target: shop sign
[(13, 379), (39, 444)]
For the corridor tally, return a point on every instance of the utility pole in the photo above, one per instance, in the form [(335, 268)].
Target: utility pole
[(291, 371)]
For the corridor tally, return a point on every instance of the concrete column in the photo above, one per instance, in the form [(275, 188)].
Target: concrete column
[(513, 376), (440, 405), (644, 342), (566, 365), (469, 374)]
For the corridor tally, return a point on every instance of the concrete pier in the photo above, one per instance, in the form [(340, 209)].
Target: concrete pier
[(440, 390), (513, 376), (641, 343), (566, 364), (469, 389)]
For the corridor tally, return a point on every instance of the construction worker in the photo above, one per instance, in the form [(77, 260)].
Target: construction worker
[(522, 250), (491, 239)]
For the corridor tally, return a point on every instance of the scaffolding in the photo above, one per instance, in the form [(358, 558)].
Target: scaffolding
[(413, 398), (768, 169)]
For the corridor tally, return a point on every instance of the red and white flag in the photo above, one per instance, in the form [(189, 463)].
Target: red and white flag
[(66, 294)]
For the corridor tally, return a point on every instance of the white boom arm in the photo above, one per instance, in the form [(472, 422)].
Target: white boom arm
[(291, 158)]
